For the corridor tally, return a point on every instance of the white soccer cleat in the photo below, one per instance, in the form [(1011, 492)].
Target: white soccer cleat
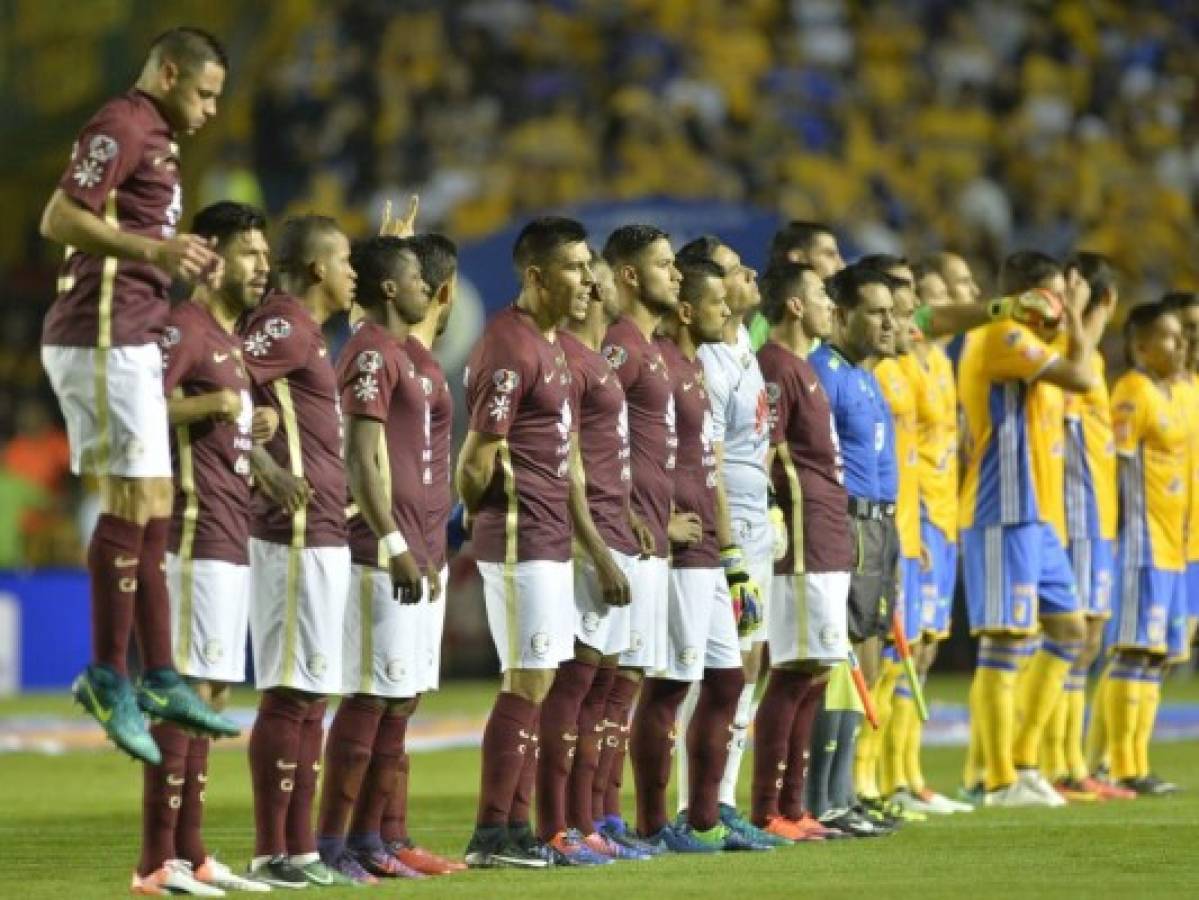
[(905, 799), (175, 877), (216, 873), (1016, 794), (1037, 782), (941, 805)]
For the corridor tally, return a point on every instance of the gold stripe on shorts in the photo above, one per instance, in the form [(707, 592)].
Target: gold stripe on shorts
[(299, 526)]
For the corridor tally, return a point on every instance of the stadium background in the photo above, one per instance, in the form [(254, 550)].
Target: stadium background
[(911, 126)]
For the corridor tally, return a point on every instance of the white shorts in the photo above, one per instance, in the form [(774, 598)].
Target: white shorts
[(210, 614), (530, 612), (296, 614), (648, 615), (761, 570), (808, 618), (114, 407), (702, 631), (432, 629), (382, 647), (600, 626)]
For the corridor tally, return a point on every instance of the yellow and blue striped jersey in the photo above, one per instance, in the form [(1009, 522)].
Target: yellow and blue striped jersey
[(937, 420), (1047, 443), (1091, 461), (1187, 388), (901, 398)]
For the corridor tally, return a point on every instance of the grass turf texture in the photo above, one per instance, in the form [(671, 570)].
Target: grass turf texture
[(84, 808)]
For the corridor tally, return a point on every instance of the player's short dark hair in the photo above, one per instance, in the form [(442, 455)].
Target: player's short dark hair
[(845, 287), (886, 262), (294, 247), (189, 48), (1140, 321), (1176, 301), (627, 242), (438, 257), (375, 260), (1025, 270), (542, 236), (703, 247), (1099, 274), (226, 219), (780, 282), (695, 273), (795, 235)]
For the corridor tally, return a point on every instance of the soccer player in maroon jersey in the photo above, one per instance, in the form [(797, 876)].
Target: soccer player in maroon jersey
[(513, 478), (806, 627), (387, 449), (207, 563), (647, 285), (115, 210), (299, 559)]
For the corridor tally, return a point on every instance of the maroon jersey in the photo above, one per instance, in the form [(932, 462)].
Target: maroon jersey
[(286, 354), (808, 474), (378, 381), (124, 168), (603, 418), (210, 518), (518, 387), (643, 374), (695, 469), (439, 491)]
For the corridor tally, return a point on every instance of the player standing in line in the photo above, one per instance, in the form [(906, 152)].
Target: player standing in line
[(806, 626), (115, 211), (514, 481), (1011, 516), (605, 554), (387, 451), (647, 284), (299, 558), (215, 428), (864, 333), (741, 440), (1151, 430), (702, 622)]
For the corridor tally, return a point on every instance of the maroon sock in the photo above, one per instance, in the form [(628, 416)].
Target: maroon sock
[(772, 733), (347, 755), (651, 742), (382, 805), (189, 843), (151, 606), (708, 740), (798, 751), (162, 795), (274, 751), (507, 740), (112, 563), (301, 836), (609, 774), (579, 789), (558, 741), (522, 800)]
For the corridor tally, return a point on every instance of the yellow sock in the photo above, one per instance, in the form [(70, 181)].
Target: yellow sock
[(870, 740), (1096, 747), (1051, 758), (1045, 678), (1076, 711), (912, 766), (1123, 712), (1020, 696), (1151, 695), (893, 762), (996, 698), (972, 769)]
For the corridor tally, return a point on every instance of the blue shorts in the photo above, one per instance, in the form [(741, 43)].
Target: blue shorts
[(1014, 575), (937, 583), (1193, 590), (909, 596), (1178, 630), (1144, 599), (1094, 563)]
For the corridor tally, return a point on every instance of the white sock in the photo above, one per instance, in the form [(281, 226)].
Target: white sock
[(303, 859), (746, 707), (259, 861), (682, 723)]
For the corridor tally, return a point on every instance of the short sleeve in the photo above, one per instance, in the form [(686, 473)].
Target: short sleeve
[(180, 352), (367, 383), (1011, 352), (1129, 415), (719, 395), (498, 380), (274, 347), (107, 152)]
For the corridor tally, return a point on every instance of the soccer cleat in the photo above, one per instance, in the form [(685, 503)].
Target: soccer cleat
[(489, 847), (108, 698), (572, 850), (420, 860), (940, 805), (278, 872), (974, 794), (616, 829), (852, 824), (811, 826), (342, 871), (219, 875), (164, 694), (1073, 791), (175, 877), (1105, 790), (903, 813), (1148, 786), (874, 809), (736, 822), (1016, 794), (602, 844), (1035, 781), (681, 840), (381, 863)]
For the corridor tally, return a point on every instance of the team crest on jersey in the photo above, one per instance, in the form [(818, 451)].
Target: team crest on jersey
[(773, 392), (370, 361), (171, 336), (278, 328), (615, 355), (506, 381)]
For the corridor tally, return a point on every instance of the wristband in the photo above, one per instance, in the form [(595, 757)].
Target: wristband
[(394, 544)]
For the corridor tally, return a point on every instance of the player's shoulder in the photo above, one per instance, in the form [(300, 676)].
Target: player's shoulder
[(622, 344), (369, 349), (1131, 387), (132, 114)]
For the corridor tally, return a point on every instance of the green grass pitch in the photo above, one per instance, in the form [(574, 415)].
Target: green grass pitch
[(69, 829)]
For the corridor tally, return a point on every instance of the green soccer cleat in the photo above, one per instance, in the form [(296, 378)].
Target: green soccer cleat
[(317, 874), (735, 822), (164, 694), (108, 698)]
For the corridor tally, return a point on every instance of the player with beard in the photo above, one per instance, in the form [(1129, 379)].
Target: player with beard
[(514, 480)]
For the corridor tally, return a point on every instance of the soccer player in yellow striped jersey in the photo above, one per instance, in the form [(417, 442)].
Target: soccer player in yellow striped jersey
[(1016, 569), (1151, 431)]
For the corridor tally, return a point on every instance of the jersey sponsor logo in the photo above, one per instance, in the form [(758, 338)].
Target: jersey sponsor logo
[(615, 355), (773, 392), (124, 562), (370, 361), (171, 336), (506, 381), (103, 148), (549, 378), (278, 327), (219, 357)]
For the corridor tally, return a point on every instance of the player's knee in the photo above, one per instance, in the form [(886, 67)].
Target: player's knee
[(136, 499), (751, 663), (531, 684), (403, 707), (724, 685), (219, 694), (585, 654), (1071, 629)]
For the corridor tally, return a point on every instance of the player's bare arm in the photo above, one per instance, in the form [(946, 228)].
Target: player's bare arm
[(684, 528), (223, 406), (476, 466), (291, 492), (367, 486), (614, 585), (641, 531), (1073, 372), (264, 424)]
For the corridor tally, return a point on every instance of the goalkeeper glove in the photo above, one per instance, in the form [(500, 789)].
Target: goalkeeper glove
[(779, 525), (745, 594), (1038, 307)]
